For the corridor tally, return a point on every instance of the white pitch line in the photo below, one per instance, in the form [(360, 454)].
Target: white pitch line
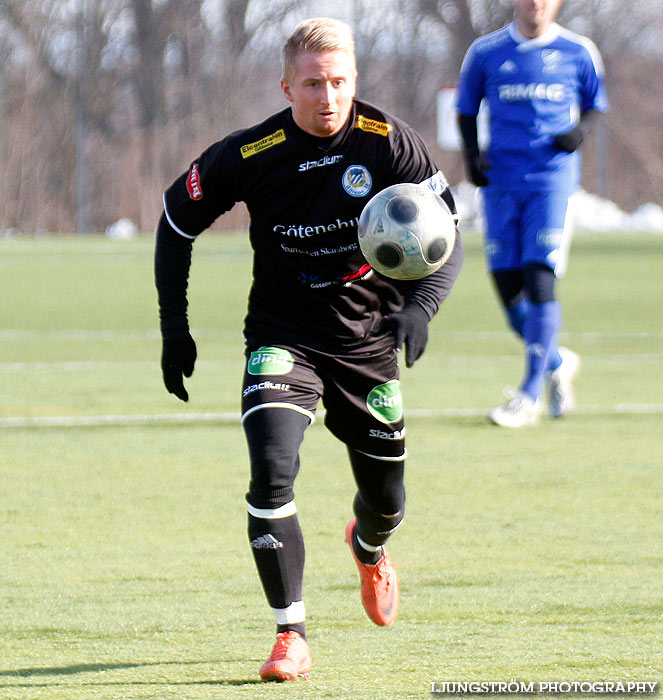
[(100, 334), (77, 365), (170, 418), (74, 365), (83, 421), (121, 334)]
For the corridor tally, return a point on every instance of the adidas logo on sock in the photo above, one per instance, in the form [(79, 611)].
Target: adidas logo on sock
[(266, 542)]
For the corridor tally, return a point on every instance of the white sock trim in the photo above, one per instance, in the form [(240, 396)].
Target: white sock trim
[(273, 513), (295, 612), (368, 547)]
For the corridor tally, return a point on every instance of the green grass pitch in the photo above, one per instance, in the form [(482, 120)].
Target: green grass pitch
[(124, 566)]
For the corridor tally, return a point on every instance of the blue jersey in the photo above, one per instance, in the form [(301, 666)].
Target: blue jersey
[(534, 89)]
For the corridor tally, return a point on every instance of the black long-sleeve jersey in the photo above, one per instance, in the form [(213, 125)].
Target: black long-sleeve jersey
[(304, 194)]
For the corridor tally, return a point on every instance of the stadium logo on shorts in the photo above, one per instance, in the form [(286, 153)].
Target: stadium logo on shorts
[(270, 360), (357, 181), (385, 402)]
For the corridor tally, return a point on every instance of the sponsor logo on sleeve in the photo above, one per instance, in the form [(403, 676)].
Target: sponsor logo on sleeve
[(270, 360), (250, 149), (372, 126), (385, 402), (357, 181), (193, 186)]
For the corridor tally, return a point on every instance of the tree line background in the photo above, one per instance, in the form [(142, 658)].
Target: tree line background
[(104, 102)]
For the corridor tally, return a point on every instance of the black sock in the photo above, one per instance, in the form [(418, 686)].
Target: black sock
[(364, 556), (295, 627), (278, 550)]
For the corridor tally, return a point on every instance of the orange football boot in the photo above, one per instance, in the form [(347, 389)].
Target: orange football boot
[(290, 658), (379, 584)]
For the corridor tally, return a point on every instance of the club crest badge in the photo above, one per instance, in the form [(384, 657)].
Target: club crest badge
[(357, 181)]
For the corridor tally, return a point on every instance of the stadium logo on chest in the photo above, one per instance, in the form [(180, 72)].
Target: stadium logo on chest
[(357, 181), (326, 160)]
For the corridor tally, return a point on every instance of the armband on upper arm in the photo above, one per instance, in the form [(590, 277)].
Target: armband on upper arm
[(437, 182), (440, 185)]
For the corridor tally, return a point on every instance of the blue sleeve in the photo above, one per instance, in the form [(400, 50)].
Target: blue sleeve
[(592, 90), (470, 84)]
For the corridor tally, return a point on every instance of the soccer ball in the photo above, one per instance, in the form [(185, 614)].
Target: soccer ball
[(406, 231)]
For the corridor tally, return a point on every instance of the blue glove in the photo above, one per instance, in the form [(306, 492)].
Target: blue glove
[(409, 327), (177, 359)]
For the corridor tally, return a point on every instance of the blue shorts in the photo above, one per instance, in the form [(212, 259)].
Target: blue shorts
[(525, 227)]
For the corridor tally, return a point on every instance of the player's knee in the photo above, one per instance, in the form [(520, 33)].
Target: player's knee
[(274, 433), (272, 480), (273, 436), (509, 285), (264, 496), (539, 282), (375, 527), (380, 482)]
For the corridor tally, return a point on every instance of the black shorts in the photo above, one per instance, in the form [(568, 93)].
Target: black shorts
[(361, 393)]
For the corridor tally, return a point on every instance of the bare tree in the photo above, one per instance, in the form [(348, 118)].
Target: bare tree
[(465, 20), (150, 83)]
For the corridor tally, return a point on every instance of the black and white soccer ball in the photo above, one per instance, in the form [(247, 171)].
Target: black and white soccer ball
[(406, 231)]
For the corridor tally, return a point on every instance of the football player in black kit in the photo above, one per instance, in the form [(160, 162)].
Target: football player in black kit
[(321, 324)]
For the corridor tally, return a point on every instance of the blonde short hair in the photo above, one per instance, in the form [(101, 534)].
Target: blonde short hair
[(318, 34)]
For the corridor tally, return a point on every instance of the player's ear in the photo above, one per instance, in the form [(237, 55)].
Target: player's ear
[(285, 87)]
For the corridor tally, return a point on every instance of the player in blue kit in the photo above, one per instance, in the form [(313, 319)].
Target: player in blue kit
[(543, 86)]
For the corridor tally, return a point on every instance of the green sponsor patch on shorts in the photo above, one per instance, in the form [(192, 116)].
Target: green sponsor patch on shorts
[(385, 402), (270, 360)]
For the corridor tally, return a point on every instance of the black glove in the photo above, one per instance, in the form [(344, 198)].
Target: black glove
[(178, 358), (476, 168), (409, 326), (569, 141)]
